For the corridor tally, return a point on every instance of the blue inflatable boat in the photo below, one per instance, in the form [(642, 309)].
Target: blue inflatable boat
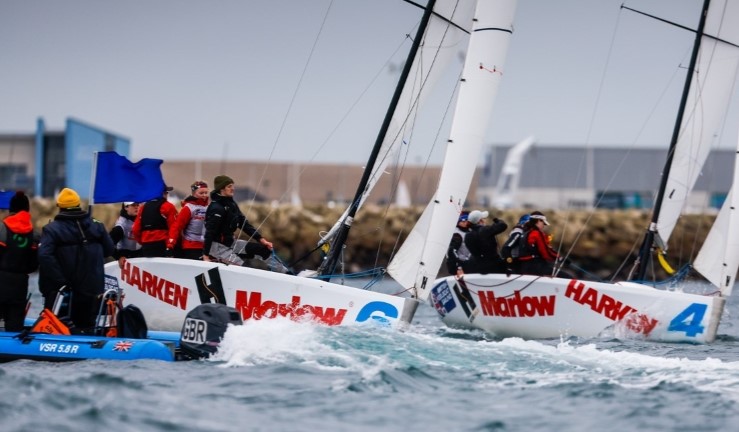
[(40, 346), (201, 333)]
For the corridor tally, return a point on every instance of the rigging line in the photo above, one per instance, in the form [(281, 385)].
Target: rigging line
[(427, 162), (292, 99), (589, 176), (412, 112), (623, 161), (441, 17), (400, 167), (296, 180), (715, 38), (345, 116)]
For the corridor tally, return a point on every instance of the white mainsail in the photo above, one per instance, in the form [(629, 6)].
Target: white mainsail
[(419, 259), (710, 93), (445, 37)]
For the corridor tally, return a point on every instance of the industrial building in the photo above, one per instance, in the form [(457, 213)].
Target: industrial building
[(550, 177)]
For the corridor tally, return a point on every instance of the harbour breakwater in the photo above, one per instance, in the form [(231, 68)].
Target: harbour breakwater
[(598, 243)]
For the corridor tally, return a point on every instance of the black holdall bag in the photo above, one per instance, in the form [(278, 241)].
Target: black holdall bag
[(131, 323)]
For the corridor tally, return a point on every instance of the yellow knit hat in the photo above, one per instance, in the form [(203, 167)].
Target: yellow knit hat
[(67, 199)]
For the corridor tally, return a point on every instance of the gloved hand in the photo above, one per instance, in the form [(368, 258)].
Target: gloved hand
[(169, 253)]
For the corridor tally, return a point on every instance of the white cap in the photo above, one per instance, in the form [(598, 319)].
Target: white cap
[(541, 218), (477, 215), (128, 203)]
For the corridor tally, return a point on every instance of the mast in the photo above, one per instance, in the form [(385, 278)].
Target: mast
[(646, 247), (329, 264)]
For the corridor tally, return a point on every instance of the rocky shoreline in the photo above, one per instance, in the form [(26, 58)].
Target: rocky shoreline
[(600, 250)]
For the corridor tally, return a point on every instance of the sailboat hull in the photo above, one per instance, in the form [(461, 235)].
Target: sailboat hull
[(165, 289), (533, 307)]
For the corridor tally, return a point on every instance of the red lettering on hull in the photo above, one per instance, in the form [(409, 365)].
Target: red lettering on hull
[(610, 307), (516, 306), (250, 306), (155, 286)]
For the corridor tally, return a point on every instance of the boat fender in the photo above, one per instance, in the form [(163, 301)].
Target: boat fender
[(204, 328)]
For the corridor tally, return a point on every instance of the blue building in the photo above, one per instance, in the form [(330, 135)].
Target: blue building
[(44, 162)]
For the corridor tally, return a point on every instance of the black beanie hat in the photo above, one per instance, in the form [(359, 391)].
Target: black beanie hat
[(19, 202), (221, 182)]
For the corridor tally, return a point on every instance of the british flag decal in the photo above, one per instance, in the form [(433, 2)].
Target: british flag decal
[(122, 346)]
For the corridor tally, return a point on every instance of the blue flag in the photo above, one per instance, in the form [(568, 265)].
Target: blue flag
[(5, 197), (117, 179)]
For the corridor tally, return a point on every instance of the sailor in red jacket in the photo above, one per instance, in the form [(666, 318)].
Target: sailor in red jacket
[(152, 224), (536, 257), (189, 227)]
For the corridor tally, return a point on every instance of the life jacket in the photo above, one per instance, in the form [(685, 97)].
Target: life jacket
[(463, 252), (151, 216), (526, 251), (511, 249), (127, 242), (195, 229)]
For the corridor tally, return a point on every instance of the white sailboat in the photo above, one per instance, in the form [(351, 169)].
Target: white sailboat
[(510, 175), (549, 307), (165, 289)]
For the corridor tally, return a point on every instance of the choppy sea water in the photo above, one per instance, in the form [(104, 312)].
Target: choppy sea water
[(281, 376)]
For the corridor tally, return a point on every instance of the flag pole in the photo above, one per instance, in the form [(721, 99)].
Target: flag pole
[(93, 179)]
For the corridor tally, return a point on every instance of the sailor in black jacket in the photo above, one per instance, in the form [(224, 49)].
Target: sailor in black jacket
[(223, 217), (72, 253)]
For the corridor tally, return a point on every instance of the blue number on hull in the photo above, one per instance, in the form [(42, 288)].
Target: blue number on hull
[(692, 327)]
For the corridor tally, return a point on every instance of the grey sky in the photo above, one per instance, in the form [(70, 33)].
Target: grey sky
[(207, 79)]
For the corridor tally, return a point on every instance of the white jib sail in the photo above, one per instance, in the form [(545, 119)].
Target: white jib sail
[(718, 259), (419, 259), (710, 93), (441, 44)]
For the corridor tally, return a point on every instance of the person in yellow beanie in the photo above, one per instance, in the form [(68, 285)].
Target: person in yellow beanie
[(71, 255), (68, 199)]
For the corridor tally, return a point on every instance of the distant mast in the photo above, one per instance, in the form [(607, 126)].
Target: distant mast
[(649, 238), (332, 258)]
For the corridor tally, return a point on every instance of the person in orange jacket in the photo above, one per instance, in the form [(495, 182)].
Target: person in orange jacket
[(18, 258)]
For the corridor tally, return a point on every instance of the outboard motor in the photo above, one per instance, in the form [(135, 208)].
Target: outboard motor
[(204, 328)]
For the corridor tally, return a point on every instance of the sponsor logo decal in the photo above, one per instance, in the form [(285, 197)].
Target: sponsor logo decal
[(122, 346), (516, 305), (155, 286), (441, 298), (610, 308), (250, 305), (466, 301), (213, 292), (386, 311)]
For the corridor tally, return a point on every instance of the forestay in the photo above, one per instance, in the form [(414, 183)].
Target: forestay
[(419, 259)]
